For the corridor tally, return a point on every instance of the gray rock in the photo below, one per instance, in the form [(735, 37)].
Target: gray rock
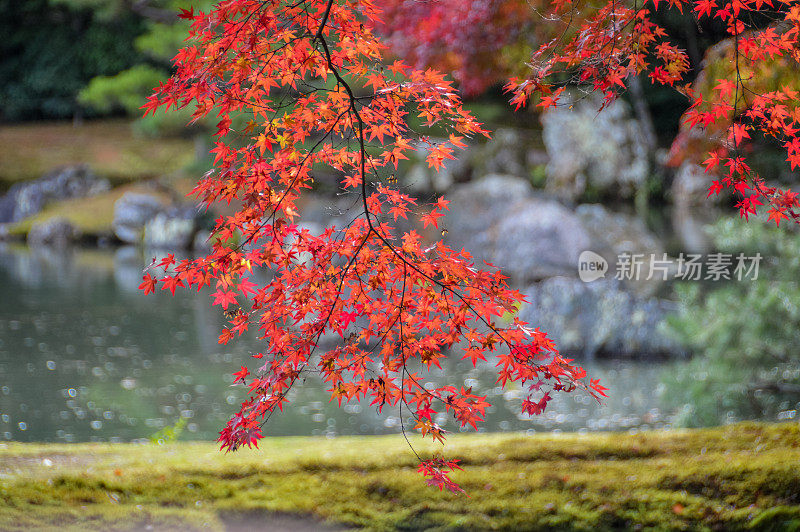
[(539, 239), (478, 206), (590, 151), (56, 232), (505, 153), (690, 186), (599, 318), (8, 206), (622, 232), (499, 219), (533, 238), (173, 229), (202, 241), (131, 213), (510, 151), (26, 199), (614, 234)]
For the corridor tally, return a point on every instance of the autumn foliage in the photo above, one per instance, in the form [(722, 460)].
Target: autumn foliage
[(318, 90), (747, 87), (750, 95)]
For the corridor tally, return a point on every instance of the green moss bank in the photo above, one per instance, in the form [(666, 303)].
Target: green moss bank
[(109, 147), (738, 477)]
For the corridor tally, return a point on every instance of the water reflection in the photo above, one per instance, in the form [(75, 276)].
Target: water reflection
[(84, 356)]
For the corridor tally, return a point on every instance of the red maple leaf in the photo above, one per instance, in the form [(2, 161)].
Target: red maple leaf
[(241, 374), (148, 284)]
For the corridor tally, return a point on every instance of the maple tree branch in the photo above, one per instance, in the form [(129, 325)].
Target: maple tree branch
[(318, 294), (367, 213), (372, 230), (324, 20)]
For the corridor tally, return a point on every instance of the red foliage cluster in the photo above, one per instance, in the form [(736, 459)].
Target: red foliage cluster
[(309, 79), (465, 38), (620, 41)]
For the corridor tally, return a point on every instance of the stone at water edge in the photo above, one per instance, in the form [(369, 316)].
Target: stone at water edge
[(599, 317), (55, 232), (536, 239), (68, 182), (131, 212), (172, 229)]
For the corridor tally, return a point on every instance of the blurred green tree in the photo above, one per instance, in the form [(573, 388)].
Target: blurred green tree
[(162, 36), (126, 89), (745, 333), (50, 51)]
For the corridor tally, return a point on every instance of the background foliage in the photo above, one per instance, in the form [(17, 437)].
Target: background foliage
[(745, 333), (50, 52)]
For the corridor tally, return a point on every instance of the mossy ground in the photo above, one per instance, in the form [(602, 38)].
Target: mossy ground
[(733, 478), (94, 215), (162, 167), (28, 151)]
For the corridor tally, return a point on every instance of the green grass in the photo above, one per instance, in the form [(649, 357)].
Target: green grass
[(741, 477), (28, 151)]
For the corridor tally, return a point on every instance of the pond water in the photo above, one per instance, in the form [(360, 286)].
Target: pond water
[(85, 356)]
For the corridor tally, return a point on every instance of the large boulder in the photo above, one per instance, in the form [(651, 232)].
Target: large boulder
[(538, 242), (619, 231), (55, 232), (594, 153), (615, 235), (599, 318), (171, 229), (499, 219), (26, 199), (131, 212), (511, 151), (690, 187)]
